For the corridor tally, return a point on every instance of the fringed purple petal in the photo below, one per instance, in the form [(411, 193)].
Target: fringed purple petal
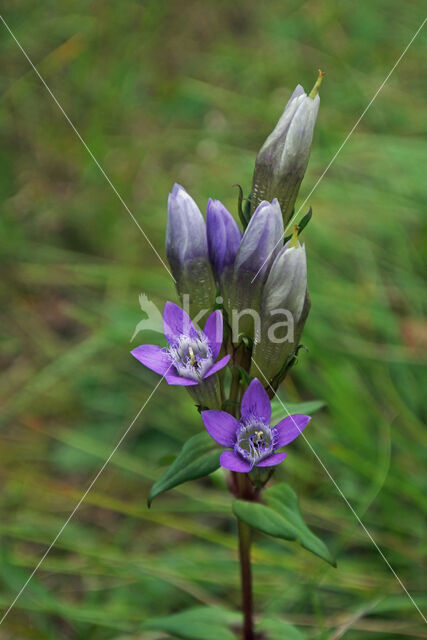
[(289, 428), (256, 402), (153, 357), (221, 426), (216, 367), (272, 460), (179, 380), (231, 461), (176, 322)]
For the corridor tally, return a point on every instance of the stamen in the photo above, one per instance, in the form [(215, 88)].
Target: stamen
[(193, 360), (191, 356), (254, 441)]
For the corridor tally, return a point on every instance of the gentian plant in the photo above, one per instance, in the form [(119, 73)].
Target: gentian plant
[(248, 287)]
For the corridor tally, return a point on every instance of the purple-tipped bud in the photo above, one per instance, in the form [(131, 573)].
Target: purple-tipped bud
[(284, 308), (259, 246), (187, 251), (282, 161), (261, 242), (224, 237)]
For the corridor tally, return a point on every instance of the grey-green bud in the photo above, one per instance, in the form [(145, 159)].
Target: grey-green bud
[(284, 308), (282, 160)]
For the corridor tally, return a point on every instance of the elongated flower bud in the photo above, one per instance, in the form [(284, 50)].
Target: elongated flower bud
[(259, 246), (284, 308), (187, 251), (224, 237), (282, 161)]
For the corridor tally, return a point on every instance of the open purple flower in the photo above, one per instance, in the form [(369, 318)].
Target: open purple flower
[(253, 442), (189, 359)]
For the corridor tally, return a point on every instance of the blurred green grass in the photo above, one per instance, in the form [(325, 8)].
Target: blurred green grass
[(187, 92)]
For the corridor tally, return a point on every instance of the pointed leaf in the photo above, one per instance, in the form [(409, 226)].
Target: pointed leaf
[(281, 518), (279, 408), (200, 623), (279, 629), (198, 457), (301, 225)]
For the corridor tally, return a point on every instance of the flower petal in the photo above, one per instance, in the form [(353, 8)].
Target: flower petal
[(216, 367), (221, 426), (185, 231), (176, 322), (256, 402), (289, 428), (271, 461), (180, 380), (223, 236), (214, 330), (153, 357), (262, 240), (231, 461)]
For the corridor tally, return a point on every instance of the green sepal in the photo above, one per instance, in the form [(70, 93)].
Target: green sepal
[(244, 210), (247, 341), (287, 365), (301, 225), (198, 458), (245, 378), (247, 210), (281, 518), (199, 623)]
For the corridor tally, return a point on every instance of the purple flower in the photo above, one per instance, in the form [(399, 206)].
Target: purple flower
[(253, 442), (224, 237), (189, 359), (187, 251)]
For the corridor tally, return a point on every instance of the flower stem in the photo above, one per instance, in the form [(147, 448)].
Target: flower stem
[(246, 578), (241, 486)]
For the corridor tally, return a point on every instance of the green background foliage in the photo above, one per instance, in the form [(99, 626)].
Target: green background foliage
[(187, 91)]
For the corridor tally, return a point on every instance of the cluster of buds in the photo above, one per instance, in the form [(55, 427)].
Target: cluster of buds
[(249, 285), (245, 301)]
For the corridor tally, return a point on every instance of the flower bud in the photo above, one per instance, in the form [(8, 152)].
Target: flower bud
[(284, 308), (224, 237), (187, 251), (282, 161), (259, 246)]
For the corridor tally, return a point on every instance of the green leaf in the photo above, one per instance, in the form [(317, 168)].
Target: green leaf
[(200, 623), (281, 518), (301, 225), (198, 457), (279, 629), (278, 411)]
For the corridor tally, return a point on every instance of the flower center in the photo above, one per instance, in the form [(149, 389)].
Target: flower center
[(191, 356), (255, 441)]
